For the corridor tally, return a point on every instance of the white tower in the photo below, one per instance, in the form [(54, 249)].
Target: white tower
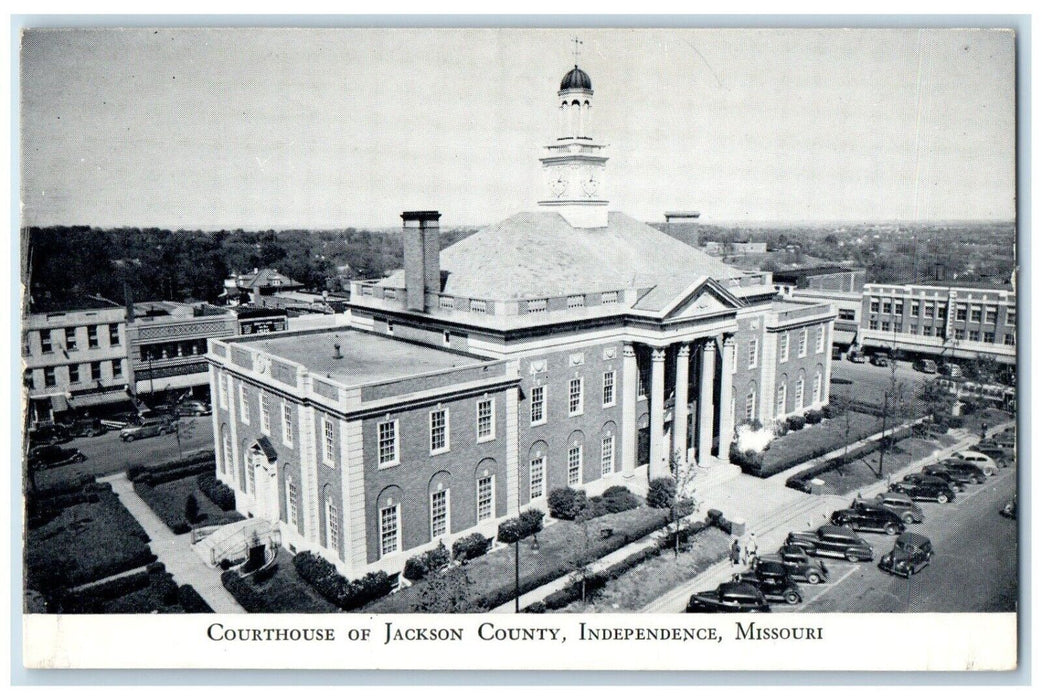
[(573, 167)]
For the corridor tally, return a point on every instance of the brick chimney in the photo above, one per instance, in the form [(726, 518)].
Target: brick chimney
[(422, 247)]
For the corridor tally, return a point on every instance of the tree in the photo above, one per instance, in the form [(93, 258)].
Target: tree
[(580, 559), (678, 490), (191, 509), (447, 591)]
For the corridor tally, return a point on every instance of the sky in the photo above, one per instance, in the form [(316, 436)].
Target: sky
[(282, 128)]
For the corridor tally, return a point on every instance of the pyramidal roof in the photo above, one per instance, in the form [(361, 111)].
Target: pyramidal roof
[(539, 254)]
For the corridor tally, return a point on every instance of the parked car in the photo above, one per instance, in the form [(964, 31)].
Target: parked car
[(46, 456), (798, 564), (940, 471), (1002, 456), (899, 503), (881, 360), (193, 407), (964, 472), (730, 597), (950, 369), (910, 555), (832, 541), (925, 366), (1010, 509), (865, 516), (978, 459), (1007, 438), (47, 434), (857, 356), (148, 427), (85, 427), (772, 579), (925, 488)]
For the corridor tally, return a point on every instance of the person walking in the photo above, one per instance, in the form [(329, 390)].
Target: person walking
[(736, 552), (750, 549)]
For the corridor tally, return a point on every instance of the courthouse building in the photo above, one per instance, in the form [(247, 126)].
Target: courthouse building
[(571, 345)]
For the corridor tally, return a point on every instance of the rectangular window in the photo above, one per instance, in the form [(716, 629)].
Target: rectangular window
[(817, 388), (607, 455), (538, 405), (74, 374), (846, 314), (95, 371), (332, 526), (608, 393), (486, 498), (30, 383), (388, 530), (536, 477), (265, 415), (251, 477), (291, 502), (45, 341), (754, 352), (750, 404), (913, 329), (610, 298), (989, 336), (884, 325), (287, 424), (92, 336), (486, 420), (536, 306), (939, 331), (113, 334), (960, 312), (387, 443), (642, 383), (439, 513), (70, 338), (899, 307), (991, 314), (575, 396), (899, 327), (1009, 339), (439, 430), (873, 325), (575, 464), (779, 401), (222, 390), (887, 306), (960, 334), (783, 348), (799, 394), (1011, 317), (928, 311), (576, 302), (942, 311), (117, 368), (48, 376), (819, 344), (975, 336), (874, 306), (975, 314), (915, 308), (328, 442), (802, 351), (244, 406)]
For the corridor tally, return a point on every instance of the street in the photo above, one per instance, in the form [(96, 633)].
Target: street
[(974, 569), (868, 382), (107, 454)]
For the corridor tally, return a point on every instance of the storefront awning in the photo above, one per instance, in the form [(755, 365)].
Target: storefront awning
[(843, 337)]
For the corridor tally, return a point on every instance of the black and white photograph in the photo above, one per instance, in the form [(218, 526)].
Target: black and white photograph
[(563, 328)]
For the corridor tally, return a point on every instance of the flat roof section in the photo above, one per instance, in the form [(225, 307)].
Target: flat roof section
[(367, 358)]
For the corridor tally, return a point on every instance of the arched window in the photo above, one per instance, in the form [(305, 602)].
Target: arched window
[(750, 403), (332, 521), (817, 387), (292, 516), (779, 401), (227, 462)]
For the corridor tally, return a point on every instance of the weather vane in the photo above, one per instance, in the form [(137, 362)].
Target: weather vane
[(578, 43)]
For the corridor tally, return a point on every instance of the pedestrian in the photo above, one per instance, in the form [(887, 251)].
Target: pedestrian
[(750, 549), (736, 552), (983, 430)]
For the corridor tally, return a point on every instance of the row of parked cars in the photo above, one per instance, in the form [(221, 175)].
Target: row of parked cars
[(776, 577)]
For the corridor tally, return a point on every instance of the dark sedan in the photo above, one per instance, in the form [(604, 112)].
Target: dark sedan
[(910, 555), (925, 488), (832, 541), (798, 565), (863, 516), (47, 456), (730, 597), (772, 579)]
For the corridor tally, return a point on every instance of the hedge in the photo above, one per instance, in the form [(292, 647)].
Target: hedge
[(814, 416), (572, 504), (155, 477), (189, 599), (470, 547), (565, 503), (221, 495), (244, 593), (661, 492), (177, 524), (345, 594), (516, 529), (86, 600), (795, 422), (595, 581), (433, 560)]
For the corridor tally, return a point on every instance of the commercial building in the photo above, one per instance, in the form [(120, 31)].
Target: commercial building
[(941, 320), (569, 346), (827, 278), (254, 287), (74, 355)]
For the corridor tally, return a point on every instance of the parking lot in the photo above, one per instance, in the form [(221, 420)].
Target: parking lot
[(974, 568)]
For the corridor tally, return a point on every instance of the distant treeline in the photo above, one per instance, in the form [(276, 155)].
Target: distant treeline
[(181, 265)]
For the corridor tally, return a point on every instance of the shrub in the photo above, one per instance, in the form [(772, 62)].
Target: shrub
[(198, 463), (526, 524), (618, 499), (829, 411), (661, 492), (538, 607), (325, 579), (713, 516), (415, 568), (431, 561), (266, 574), (683, 508), (532, 520), (221, 495), (191, 509), (796, 422), (749, 460), (781, 429), (470, 547), (189, 599), (565, 503), (814, 416)]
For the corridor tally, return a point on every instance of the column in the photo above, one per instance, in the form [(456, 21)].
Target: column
[(680, 402), (657, 464), (628, 429), (705, 401), (726, 414)]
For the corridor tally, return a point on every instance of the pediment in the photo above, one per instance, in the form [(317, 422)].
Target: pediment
[(707, 299)]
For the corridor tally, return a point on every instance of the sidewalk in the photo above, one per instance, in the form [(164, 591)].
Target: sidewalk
[(771, 531), (175, 551)]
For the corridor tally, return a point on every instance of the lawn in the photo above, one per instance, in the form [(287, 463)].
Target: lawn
[(819, 439), (658, 575), (862, 473), (167, 500), (561, 546), (283, 592), (83, 543)]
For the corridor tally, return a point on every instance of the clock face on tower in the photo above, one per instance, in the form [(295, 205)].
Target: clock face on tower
[(559, 186), (589, 183)]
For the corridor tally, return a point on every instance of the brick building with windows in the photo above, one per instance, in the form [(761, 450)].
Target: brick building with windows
[(572, 345), (941, 321)]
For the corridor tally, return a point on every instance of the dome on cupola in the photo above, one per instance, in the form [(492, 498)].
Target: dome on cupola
[(576, 79)]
